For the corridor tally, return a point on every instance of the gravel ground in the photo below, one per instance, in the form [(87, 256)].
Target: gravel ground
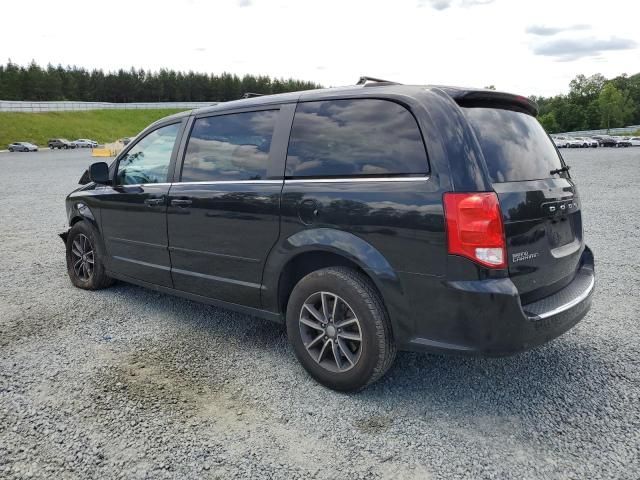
[(129, 383)]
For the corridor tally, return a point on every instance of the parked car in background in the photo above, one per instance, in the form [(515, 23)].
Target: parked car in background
[(587, 142), (60, 143), (623, 142), (605, 140), (85, 143), (320, 210), (560, 141), (574, 142), (22, 147), (635, 141)]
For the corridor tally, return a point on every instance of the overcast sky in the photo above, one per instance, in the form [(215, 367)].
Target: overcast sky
[(522, 46)]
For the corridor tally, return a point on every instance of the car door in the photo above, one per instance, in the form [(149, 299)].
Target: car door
[(134, 208), (223, 213)]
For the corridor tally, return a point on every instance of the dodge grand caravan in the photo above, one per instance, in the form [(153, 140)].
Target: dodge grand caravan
[(367, 219)]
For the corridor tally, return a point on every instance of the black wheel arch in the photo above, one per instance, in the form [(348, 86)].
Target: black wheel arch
[(311, 250), (77, 212)]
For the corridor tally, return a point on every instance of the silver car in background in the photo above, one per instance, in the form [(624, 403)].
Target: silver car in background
[(22, 147), (85, 143)]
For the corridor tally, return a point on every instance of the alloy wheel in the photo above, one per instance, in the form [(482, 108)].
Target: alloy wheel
[(82, 257), (330, 331)]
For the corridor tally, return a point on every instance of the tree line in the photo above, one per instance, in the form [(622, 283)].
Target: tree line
[(592, 102), (34, 82)]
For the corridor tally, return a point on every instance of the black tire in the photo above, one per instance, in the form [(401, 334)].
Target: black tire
[(66, 147), (11, 150), (376, 350), (97, 278)]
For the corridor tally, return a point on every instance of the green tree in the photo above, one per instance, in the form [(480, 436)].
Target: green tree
[(73, 83), (612, 106), (548, 122)]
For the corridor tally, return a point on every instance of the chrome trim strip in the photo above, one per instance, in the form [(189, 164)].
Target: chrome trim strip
[(214, 278), (289, 180), (356, 179), (230, 182), (570, 304), (140, 262), (214, 254), (136, 242), (135, 185)]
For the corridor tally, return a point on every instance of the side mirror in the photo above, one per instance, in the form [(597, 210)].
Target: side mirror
[(99, 173)]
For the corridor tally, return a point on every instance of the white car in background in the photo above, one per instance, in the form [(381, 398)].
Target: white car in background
[(574, 142), (587, 142), (561, 142), (635, 141)]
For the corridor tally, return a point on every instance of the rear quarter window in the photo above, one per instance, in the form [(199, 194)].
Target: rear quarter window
[(354, 137), (514, 144)]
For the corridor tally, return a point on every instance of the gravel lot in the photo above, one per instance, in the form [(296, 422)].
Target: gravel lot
[(129, 383)]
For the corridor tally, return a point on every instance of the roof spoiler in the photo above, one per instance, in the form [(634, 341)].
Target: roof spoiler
[(491, 98)]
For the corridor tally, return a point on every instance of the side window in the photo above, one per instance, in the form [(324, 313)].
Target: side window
[(229, 147), (148, 160), (342, 138)]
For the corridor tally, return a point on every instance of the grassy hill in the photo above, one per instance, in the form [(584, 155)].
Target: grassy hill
[(100, 125)]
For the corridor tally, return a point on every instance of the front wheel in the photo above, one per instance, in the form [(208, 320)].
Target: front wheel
[(339, 329), (85, 258), (11, 150)]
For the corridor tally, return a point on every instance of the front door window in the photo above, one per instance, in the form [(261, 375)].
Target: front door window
[(148, 160)]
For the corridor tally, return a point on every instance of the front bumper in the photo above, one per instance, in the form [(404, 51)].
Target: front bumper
[(486, 316)]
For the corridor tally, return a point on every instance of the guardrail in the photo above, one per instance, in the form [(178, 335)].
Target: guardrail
[(603, 131), (27, 107)]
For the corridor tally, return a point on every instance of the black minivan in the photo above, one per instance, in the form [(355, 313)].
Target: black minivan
[(368, 219)]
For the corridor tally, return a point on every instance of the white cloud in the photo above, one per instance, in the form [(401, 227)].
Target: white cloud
[(569, 49), (545, 30), (466, 42), (444, 4)]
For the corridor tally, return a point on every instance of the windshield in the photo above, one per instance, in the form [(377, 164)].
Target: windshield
[(514, 144)]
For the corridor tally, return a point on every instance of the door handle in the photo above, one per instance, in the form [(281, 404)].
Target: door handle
[(154, 202), (180, 202)]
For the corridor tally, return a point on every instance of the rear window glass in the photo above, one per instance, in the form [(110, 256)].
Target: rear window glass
[(514, 144), (359, 137)]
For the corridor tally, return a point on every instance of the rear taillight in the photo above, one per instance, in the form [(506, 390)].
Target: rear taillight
[(474, 228)]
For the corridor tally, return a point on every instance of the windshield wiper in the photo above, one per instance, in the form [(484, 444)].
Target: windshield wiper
[(564, 168)]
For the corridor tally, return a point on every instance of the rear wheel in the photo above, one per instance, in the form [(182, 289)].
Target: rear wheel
[(339, 329), (85, 258), (11, 150)]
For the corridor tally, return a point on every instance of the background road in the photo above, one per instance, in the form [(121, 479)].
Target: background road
[(129, 383)]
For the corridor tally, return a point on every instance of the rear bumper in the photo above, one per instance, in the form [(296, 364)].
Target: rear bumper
[(486, 316)]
